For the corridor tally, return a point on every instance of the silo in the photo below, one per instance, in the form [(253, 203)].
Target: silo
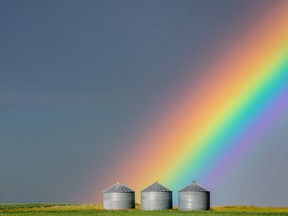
[(118, 196), (156, 197), (194, 197)]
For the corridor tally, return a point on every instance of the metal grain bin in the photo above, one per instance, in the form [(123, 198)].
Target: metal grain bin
[(118, 196), (156, 197), (193, 197)]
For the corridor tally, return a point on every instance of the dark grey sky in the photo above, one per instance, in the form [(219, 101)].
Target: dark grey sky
[(79, 78)]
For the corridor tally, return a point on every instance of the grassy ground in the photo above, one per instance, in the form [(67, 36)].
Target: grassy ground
[(77, 210)]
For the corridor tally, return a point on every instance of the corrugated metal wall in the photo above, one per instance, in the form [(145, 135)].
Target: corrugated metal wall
[(194, 200), (156, 200), (113, 201)]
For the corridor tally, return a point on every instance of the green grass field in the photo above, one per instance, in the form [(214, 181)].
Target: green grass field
[(77, 210)]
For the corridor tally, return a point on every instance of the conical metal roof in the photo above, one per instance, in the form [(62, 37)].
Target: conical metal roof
[(193, 187), (156, 187), (118, 188)]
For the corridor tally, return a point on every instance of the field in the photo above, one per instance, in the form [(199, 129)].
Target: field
[(77, 210)]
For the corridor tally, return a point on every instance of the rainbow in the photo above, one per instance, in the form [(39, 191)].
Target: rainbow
[(212, 123)]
